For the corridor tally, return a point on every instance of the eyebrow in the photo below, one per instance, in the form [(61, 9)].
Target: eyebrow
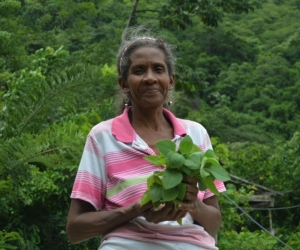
[(155, 64)]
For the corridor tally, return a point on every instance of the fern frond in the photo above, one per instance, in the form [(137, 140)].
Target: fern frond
[(28, 162), (34, 102)]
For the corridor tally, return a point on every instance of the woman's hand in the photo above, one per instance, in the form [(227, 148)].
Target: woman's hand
[(205, 213), (166, 212), (191, 194)]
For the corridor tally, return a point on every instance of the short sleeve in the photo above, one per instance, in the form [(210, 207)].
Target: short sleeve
[(90, 181)]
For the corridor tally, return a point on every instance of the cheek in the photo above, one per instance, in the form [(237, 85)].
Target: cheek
[(133, 84)]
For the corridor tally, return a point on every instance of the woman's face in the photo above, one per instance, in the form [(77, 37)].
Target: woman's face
[(148, 80)]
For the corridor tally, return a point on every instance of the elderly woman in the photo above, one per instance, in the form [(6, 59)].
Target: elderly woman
[(112, 175)]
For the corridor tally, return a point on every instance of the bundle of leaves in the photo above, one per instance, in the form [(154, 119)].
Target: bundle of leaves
[(167, 186)]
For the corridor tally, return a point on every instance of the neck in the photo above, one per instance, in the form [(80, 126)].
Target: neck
[(152, 119)]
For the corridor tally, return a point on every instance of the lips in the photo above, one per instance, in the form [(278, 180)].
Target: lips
[(151, 90)]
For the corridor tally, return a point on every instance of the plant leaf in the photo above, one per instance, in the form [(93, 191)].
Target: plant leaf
[(203, 162), (209, 153), (195, 149), (157, 160), (171, 178), (145, 198), (165, 146), (196, 158), (210, 185), (204, 173), (213, 161), (179, 221), (154, 178), (174, 160), (150, 181), (201, 184), (188, 171), (186, 145), (181, 191), (170, 194), (157, 179), (157, 204), (176, 202), (158, 173), (190, 164), (155, 192), (219, 173)]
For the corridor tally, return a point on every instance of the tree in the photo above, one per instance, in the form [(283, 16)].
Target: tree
[(12, 51), (178, 13), (48, 110), (240, 80)]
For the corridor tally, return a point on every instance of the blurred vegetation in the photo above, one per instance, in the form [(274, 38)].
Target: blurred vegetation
[(241, 80)]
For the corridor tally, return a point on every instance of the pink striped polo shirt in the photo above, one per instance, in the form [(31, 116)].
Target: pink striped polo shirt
[(112, 172)]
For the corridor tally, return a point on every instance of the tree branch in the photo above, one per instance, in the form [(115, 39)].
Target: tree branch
[(45, 101), (147, 10), (132, 14)]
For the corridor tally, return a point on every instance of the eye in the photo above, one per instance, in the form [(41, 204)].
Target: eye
[(138, 71), (160, 69)]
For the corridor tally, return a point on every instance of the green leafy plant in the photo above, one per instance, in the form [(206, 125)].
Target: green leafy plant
[(165, 186)]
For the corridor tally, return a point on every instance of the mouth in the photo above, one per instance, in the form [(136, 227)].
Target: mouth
[(151, 91)]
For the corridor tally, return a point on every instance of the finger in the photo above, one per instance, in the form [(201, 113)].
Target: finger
[(173, 213), (161, 206), (179, 214), (146, 207), (155, 216), (167, 211), (190, 207), (189, 180), (191, 189), (190, 197)]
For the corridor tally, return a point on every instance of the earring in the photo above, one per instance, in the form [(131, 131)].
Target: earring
[(126, 102), (170, 103)]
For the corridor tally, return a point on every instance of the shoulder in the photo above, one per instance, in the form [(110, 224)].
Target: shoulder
[(188, 124), (184, 126), (198, 133), (101, 127)]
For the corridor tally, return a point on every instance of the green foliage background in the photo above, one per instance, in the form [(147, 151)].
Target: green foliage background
[(241, 80)]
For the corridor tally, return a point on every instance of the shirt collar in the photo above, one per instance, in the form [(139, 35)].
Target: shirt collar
[(124, 132)]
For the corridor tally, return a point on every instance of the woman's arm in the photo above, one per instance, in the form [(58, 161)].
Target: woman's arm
[(85, 222), (207, 213)]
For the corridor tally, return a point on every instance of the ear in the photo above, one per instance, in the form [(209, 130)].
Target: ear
[(172, 81), (123, 84)]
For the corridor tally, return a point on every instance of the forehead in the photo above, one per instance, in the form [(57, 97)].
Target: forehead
[(147, 53)]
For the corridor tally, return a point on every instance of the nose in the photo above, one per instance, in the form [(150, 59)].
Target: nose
[(150, 76)]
